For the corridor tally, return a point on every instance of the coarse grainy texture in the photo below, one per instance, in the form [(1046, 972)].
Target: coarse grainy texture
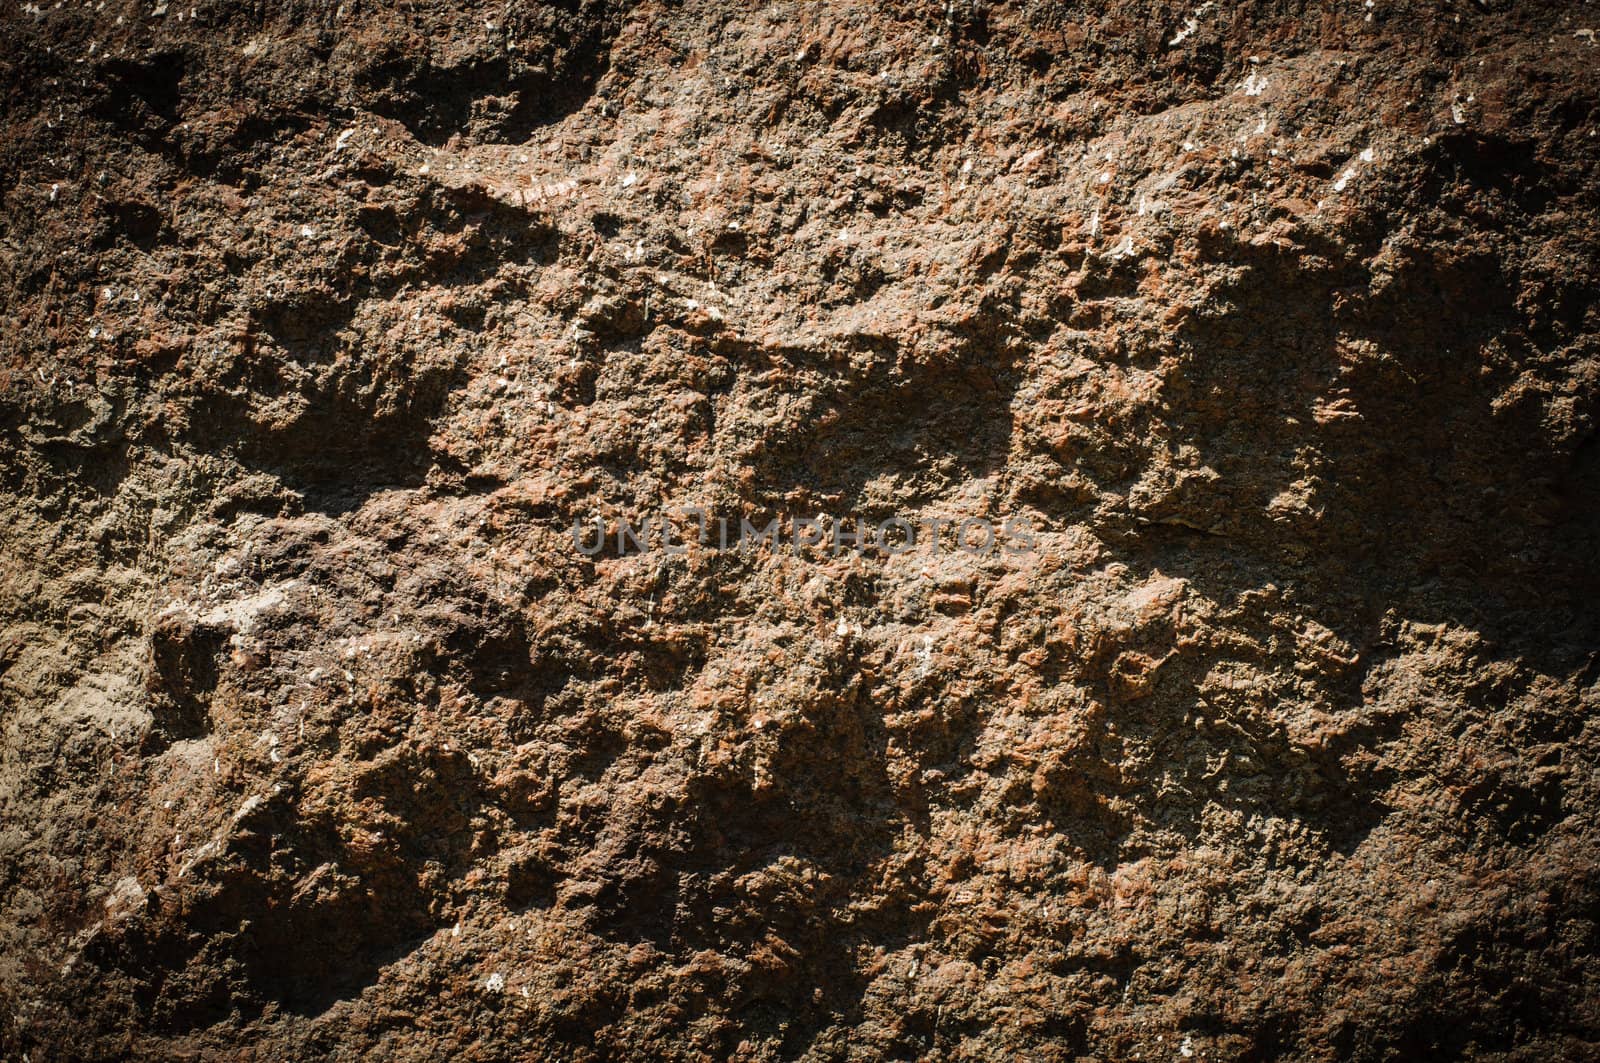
[(1277, 321)]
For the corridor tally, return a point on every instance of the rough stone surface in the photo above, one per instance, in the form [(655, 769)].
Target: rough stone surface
[(323, 324)]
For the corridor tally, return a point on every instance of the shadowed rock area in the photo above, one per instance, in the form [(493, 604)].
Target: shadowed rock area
[(1275, 324)]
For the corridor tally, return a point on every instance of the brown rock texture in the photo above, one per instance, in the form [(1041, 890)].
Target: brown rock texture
[(324, 324)]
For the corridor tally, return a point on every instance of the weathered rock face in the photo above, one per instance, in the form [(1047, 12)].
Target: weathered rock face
[(1275, 322)]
